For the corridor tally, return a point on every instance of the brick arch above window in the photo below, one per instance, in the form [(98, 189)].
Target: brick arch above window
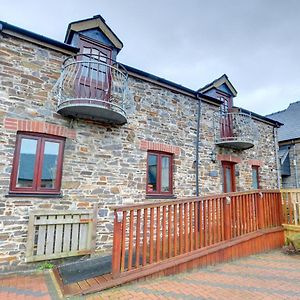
[(152, 146), (38, 127)]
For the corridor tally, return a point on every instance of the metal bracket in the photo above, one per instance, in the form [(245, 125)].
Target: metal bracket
[(119, 216), (228, 200)]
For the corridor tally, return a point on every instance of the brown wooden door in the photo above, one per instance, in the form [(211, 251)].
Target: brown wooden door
[(228, 177), (94, 75), (226, 119)]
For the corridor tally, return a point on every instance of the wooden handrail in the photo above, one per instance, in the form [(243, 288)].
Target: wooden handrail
[(142, 205)]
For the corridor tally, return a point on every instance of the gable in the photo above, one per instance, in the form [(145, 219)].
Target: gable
[(96, 28)]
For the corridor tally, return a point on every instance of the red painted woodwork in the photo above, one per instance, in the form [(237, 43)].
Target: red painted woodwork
[(175, 228), (159, 156), (228, 177), (36, 187)]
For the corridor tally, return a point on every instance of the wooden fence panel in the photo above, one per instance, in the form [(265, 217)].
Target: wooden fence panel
[(58, 234)]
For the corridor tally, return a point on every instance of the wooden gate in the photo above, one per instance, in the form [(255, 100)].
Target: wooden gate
[(57, 234)]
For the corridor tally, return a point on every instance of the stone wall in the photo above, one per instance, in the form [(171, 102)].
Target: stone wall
[(104, 164)]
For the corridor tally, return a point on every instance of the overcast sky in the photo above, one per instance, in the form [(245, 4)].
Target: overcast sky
[(255, 42)]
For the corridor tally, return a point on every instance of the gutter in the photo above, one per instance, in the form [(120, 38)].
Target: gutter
[(275, 131), (34, 37)]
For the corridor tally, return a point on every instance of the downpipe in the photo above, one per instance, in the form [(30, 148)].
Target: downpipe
[(197, 144), (277, 156), (295, 165)]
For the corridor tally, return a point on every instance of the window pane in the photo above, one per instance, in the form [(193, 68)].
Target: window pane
[(152, 173), (254, 178), (228, 180), (49, 165), (26, 164), (165, 174)]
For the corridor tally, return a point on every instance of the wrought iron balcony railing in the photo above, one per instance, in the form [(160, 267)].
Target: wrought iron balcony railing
[(235, 130), (92, 87)]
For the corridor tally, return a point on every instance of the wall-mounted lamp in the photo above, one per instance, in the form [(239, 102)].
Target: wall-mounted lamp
[(213, 156)]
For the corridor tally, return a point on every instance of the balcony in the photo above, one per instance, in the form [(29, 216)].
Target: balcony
[(235, 130), (92, 88)]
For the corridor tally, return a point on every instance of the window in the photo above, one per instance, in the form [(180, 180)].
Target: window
[(159, 173), (228, 177), (37, 166), (255, 177)]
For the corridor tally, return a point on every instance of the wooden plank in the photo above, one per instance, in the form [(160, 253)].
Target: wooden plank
[(67, 235), (130, 241), (117, 242), (83, 233), (75, 233), (123, 245), (138, 238), (151, 241), (58, 243), (196, 227), (191, 236), (181, 241), (50, 237), (169, 231), (157, 234), (30, 237), (209, 225), (201, 224), (145, 231), (164, 220), (186, 228), (41, 242), (175, 229)]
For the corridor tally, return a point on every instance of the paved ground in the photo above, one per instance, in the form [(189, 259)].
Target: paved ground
[(266, 276)]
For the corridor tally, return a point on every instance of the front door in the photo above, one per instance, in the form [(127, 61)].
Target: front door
[(228, 177), (95, 75)]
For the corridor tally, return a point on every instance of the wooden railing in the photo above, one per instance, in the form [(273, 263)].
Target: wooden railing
[(291, 206), (149, 233)]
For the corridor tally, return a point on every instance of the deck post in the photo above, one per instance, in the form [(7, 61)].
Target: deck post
[(261, 213), (116, 251), (227, 218)]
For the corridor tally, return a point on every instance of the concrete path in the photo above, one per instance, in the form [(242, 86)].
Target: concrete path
[(270, 275)]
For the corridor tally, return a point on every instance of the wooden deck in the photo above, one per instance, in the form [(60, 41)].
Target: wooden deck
[(155, 239), (260, 241)]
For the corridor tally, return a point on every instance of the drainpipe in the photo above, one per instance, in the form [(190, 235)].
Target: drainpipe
[(276, 156), (197, 143), (295, 165)]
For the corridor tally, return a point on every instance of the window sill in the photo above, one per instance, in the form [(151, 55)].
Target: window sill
[(152, 196), (11, 195)]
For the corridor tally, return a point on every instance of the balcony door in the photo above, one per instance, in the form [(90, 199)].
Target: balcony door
[(228, 177), (94, 80), (226, 119)]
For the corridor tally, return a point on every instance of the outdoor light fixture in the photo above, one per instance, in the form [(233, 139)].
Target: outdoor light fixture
[(213, 156)]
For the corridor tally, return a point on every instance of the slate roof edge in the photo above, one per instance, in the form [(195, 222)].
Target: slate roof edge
[(38, 37), (171, 84), (260, 117)]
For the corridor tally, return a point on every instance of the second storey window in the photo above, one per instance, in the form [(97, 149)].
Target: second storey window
[(37, 166), (159, 173)]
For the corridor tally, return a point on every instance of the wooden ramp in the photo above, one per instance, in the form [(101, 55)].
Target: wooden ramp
[(252, 243)]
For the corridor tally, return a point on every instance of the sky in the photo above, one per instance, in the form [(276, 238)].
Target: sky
[(191, 42)]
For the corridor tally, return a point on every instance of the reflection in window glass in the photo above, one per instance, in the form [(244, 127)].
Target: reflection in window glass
[(228, 180), (49, 165), (152, 173), (165, 172), (255, 178), (27, 158)]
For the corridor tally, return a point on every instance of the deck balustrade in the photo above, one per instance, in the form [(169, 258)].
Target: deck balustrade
[(145, 234)]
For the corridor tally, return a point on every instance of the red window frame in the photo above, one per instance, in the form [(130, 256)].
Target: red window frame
[(36, 185), (257, 173), (231, 166), (160, 155)]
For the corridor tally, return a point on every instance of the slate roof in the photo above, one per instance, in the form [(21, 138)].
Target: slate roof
[(290, 117)]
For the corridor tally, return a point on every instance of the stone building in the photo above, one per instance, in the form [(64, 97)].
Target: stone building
[(79, 129), (289, 144)]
